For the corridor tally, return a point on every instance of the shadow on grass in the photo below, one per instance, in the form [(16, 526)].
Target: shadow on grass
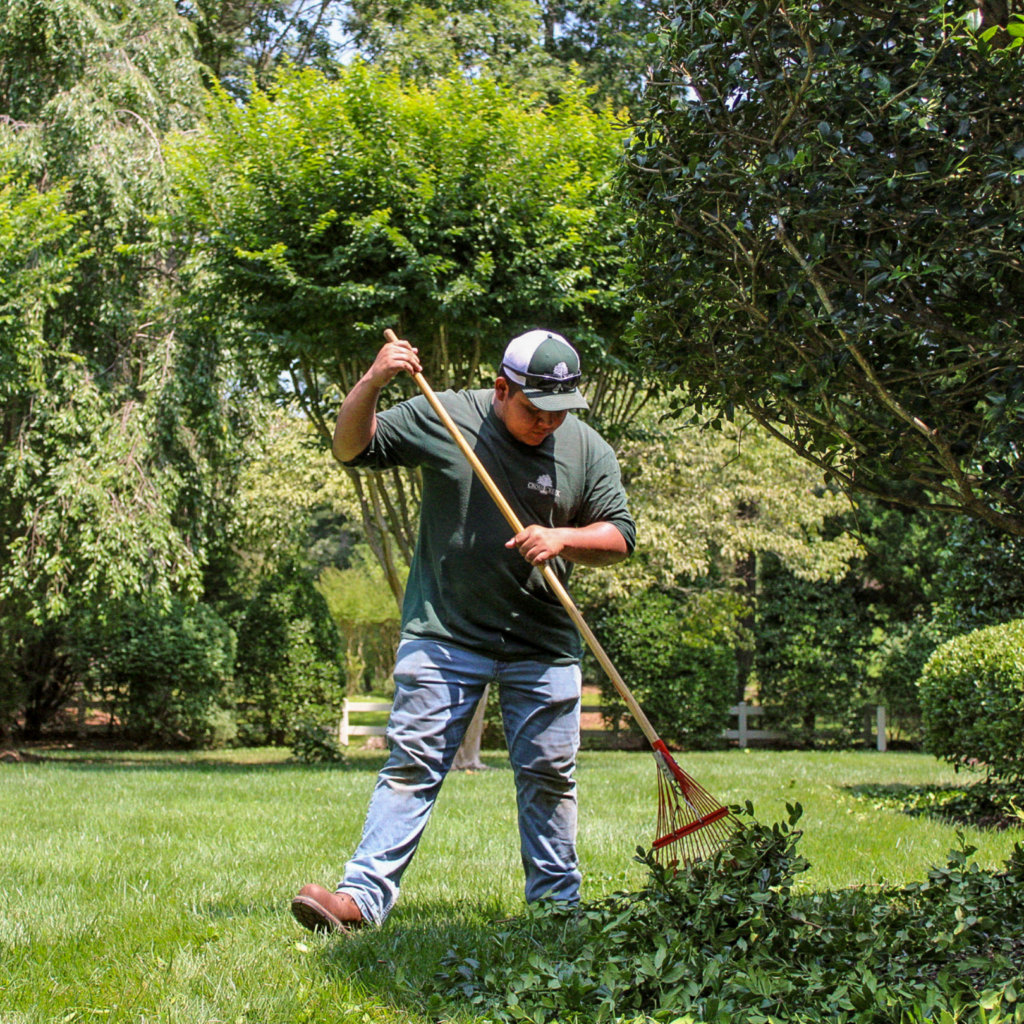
[(378, 960), (135, 762), (982, 804)]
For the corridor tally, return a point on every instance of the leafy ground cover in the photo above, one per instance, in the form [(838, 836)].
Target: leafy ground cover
[(732, 942), (155, 888)]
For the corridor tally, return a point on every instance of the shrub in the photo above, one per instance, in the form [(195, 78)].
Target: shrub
[(972, 697), (899, 653), (981, 579), (811, 658), (315, 744), (678, 660), (734, 940), (168, 672), (287, 667)]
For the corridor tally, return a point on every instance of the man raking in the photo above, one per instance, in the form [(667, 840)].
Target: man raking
[(477, 610)]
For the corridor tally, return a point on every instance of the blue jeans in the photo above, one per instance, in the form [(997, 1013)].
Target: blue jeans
[(437, 688)]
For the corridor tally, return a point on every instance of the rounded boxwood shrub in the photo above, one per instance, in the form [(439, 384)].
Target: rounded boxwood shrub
[(972, 698)]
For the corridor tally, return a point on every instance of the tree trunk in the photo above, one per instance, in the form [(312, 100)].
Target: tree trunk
[(49, 679), (746, 571)]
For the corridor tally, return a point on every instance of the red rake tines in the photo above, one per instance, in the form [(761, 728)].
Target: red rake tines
[(692, 825)]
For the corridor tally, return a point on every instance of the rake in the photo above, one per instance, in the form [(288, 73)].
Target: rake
[(692, 825)]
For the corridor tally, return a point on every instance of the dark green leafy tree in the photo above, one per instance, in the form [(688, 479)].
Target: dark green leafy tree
[(826, 649), (829, 231)]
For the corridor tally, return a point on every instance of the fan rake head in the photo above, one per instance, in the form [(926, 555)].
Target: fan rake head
[(692, 825)]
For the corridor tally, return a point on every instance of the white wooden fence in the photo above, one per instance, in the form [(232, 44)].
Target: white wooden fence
[(743, 734), (345, 727)]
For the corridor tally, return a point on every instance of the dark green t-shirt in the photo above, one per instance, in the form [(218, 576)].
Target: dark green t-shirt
[(465, 587)]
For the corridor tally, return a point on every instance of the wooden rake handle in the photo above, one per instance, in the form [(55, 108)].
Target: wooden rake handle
[(549, 576)]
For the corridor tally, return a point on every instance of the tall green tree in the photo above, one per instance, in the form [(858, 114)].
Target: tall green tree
[(533, 47), (459, 215), (110, 420), (829, 233)]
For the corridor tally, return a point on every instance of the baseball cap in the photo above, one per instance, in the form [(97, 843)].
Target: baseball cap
[(547, 368)]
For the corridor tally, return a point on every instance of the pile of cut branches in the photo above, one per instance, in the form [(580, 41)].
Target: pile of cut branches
[(732, 941)]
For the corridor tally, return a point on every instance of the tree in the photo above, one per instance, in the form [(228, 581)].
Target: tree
[(112, 420), (710, 504), (242, 43), (531, 47), (706, 499), (325, 211), (75, 115), (828, 233), (165, 669), (812, 653), (364, 613)]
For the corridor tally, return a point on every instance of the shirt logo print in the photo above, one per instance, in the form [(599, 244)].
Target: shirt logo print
[(545, 485)]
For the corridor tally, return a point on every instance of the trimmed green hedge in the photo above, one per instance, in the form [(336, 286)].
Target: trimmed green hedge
[(168, 672), (678, 662), (972, 697)]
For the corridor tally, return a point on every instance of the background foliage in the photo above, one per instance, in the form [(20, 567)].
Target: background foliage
[(325, 210), (828, 232), (166, 672), (679, 660), (288, 666)]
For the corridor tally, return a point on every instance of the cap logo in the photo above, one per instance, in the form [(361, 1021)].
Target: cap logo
[(560, 370)]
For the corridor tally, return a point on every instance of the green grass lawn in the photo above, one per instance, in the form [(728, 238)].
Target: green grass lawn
[(157, 888)]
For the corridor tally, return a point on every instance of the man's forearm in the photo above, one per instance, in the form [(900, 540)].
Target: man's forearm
[(597, 544), (357, 421)]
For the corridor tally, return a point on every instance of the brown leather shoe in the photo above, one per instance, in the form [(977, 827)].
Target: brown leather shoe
[(321, 910)]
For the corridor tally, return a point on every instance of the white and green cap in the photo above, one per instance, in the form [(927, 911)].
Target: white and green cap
[(547, 368)]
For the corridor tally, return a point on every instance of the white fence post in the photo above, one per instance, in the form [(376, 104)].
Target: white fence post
[(343, 725), (880, 722)]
